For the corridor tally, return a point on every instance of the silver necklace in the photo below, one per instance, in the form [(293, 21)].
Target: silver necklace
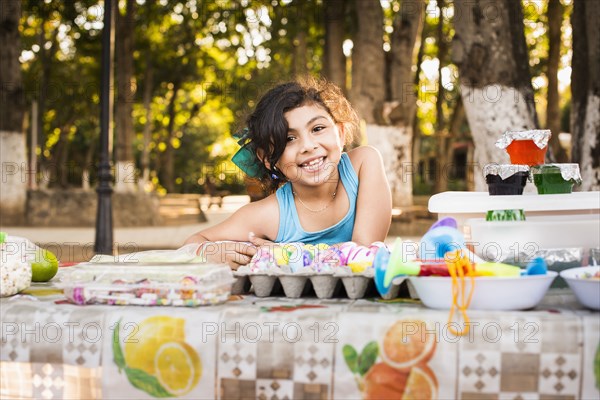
[(325, 207)]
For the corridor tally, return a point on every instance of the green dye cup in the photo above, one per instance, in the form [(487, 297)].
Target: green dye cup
[(505, 215), (548, 179)]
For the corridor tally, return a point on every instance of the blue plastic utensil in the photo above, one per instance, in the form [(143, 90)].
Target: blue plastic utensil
[(537, 266)]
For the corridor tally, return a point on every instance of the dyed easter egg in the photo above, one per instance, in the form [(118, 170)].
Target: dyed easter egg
[(296, 258), (345, 249), (281, 255), (360, 258), (307, 257), (330, 256), (376, 246)]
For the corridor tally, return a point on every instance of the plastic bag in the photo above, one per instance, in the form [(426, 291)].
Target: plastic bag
[(185, 254), (16, 256)]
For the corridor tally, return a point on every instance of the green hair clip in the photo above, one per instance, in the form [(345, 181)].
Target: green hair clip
[(246, 158)]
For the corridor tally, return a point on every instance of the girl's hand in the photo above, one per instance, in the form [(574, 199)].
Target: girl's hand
[(258, 242), (232, 253)]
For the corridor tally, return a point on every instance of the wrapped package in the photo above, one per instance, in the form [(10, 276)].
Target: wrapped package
[(156, 284)]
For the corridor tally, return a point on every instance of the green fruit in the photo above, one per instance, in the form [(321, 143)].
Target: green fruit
[(44, 267)]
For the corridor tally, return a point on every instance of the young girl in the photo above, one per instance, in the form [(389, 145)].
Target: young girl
[(293, 141)]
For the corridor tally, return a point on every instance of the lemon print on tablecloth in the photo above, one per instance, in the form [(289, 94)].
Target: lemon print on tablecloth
[(156, 358), (177, 367), (152, 332)]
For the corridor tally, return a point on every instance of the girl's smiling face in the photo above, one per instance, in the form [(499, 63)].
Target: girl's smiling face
[(314, 146)]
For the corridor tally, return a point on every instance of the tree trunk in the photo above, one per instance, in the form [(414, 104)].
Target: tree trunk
[(407, 27), (168, 180), (394, 144), (46, 61), (63, 157), (42, 91), (368, 85), (87, 164), (408, 23), (148, 88), (13, 195), (457, 119), (389, 125), (417, 135), (125, 163), (490, 52), (59, 173), (443, 137), (300, 52), (585, 87), (555, 18), (368, 67), (334, 58)]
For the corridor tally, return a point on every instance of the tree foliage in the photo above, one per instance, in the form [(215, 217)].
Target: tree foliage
[(210, 61)]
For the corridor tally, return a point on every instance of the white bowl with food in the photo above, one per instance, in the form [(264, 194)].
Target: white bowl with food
[(490, 293), (585, 283)]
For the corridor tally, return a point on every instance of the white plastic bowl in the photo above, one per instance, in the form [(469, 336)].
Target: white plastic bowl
[(490, 293), (587, 291)]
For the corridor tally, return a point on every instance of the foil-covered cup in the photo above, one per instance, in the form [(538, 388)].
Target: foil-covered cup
[(556, 178), (525, 147), (506, 179)]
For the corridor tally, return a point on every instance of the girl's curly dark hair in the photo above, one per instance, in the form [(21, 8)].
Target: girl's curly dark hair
[(268, 129)]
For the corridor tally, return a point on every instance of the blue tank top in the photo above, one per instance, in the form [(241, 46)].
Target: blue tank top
[(290, 229)]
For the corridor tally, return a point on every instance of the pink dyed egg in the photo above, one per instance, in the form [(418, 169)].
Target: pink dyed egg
[(376, 246), (360, 254), (345, 249)]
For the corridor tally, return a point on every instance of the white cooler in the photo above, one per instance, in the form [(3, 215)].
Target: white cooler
[(552, 221)]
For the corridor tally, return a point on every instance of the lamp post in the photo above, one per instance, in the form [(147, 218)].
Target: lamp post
[(104, 221)]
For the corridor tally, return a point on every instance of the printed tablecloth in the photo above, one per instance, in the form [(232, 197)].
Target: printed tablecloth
[(279, 348)]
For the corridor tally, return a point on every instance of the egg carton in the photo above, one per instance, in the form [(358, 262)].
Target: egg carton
[(324, 286)]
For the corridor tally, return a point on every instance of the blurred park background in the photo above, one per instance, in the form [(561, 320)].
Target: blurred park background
[(435, 83)]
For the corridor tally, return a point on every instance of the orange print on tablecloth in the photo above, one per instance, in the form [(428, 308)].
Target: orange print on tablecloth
[(384, 382), (402, 371), (407, 343)]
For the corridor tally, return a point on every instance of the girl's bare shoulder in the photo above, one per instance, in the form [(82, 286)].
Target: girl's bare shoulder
[(363, 154)]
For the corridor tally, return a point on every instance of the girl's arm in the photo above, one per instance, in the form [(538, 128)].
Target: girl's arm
[(374, 202), (261, 218)]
